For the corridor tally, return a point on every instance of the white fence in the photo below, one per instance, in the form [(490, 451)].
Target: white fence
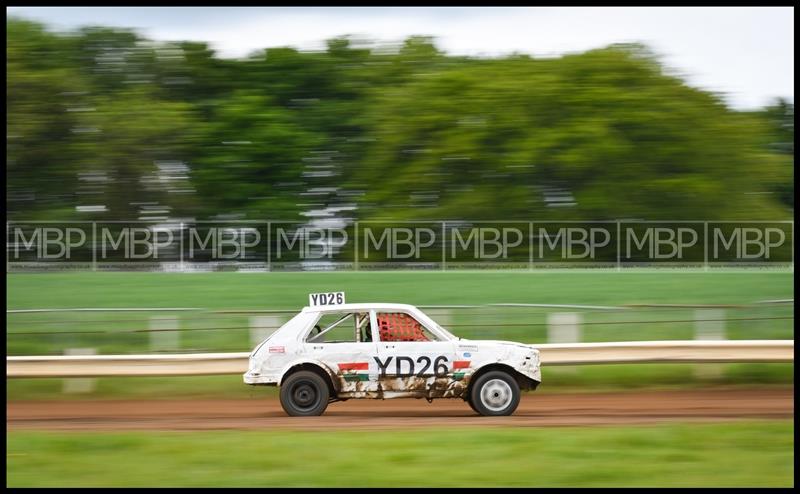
[(551, 354)]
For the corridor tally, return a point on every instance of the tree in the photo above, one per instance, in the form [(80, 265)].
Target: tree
[(250, 159), (780, 118), (488, 140)]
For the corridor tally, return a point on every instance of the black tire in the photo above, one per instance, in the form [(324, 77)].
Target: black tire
[(304, 394), (494, 394), (471, 404)]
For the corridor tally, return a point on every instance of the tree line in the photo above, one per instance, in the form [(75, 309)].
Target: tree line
[(104, 124)]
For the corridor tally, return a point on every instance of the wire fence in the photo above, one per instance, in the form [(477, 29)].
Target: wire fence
[(484, 325), (118, 330)]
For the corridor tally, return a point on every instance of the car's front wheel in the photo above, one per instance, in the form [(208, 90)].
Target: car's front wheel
[(304, 394), (495, 393), (471, 404)]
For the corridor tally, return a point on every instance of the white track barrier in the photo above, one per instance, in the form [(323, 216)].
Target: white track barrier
[(551, 354)]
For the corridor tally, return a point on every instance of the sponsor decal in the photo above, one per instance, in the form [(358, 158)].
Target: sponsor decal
[(461, 365), (277, 349), (354, 371)]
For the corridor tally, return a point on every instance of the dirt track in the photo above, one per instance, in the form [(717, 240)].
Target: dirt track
[(534, 410)]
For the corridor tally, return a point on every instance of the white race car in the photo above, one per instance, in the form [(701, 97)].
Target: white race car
[(332, 351)]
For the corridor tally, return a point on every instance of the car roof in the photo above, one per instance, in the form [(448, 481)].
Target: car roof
[(356, 307)]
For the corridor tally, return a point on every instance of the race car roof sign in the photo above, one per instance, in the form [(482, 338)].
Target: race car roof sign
[(325, 299)]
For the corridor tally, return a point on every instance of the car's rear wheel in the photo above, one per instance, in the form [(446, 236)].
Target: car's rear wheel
[(304, 394), (495, 393)]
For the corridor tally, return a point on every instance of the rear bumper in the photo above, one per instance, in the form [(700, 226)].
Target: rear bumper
[(257, 378)]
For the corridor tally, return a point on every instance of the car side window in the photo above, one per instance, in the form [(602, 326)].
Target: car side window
[(340, 327), (399, 326)]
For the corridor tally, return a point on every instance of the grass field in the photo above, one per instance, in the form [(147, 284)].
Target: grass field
[(290, 290), (127, 332), (736, 454), (52, 333)]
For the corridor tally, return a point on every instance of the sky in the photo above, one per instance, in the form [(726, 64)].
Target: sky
[(745, 53)]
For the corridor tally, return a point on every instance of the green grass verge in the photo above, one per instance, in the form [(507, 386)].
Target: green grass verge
[(732, 454)]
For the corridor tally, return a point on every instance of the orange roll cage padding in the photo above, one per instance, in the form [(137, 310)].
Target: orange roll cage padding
[(400, 327)]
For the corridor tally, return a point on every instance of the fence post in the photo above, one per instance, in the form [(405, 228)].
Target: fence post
[(261, 327), (709, 324), (79, 384), (444, 318), (164, 334), (564, 327)]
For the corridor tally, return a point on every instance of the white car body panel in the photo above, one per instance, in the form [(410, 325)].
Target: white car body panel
[(388, 369)]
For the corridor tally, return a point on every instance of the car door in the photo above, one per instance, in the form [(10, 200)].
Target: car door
[(337, 340), (412, 360)]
